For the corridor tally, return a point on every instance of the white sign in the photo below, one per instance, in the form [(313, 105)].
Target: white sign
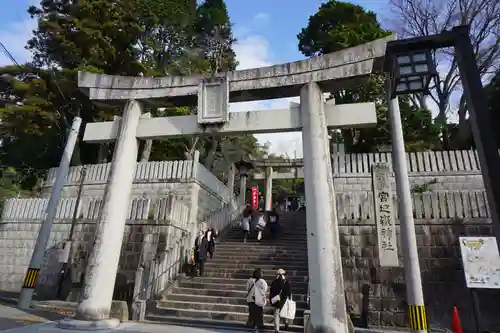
[(384, 215), (213, 100), (481, 262)]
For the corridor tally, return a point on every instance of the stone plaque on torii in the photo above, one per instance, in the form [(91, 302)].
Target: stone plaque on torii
[(307, 79)]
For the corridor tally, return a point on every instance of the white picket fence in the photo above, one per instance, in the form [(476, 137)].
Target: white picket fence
[(33, 209), (418, 162), (355, 205), (148, 172), (172, 171)]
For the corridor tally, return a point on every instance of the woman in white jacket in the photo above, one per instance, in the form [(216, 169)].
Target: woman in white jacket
[(256, 299)]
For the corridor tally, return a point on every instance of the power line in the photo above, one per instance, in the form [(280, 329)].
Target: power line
[(8, 54)]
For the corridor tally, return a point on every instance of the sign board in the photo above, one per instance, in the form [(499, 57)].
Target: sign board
[(213, 100), (481, 262), (384, 215), (255, 197)]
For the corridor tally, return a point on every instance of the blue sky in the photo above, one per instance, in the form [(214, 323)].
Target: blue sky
[(266, 31)]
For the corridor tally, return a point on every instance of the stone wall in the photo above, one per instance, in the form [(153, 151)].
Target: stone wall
[(21, 222), (440, 217), (164, 219)]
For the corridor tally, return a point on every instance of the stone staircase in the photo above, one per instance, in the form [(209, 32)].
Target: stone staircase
[(219, 298)]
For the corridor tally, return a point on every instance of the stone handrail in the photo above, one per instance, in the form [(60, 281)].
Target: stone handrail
[(161, 271)]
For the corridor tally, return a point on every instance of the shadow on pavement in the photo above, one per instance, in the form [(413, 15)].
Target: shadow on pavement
[(12, 317)]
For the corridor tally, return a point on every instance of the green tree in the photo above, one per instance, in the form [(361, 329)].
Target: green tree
[(132, 37), (338, 25), (215, 37)]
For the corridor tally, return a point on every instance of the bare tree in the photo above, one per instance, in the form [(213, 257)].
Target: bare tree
[(413, 18)]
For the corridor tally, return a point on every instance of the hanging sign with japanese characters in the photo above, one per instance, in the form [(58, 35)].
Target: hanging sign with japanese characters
[(384, 215)]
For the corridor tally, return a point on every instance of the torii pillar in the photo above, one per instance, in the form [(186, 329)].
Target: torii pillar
[(93, 310), (269, 188), (326, 285)]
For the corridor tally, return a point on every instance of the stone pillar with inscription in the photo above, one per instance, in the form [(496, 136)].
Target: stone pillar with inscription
[(384, 215)]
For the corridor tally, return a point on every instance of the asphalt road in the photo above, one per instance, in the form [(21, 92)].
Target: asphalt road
[(11, 317)]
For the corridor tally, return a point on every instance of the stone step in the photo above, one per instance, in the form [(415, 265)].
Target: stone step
[(239, 293), (281, 238), (265, 265), (250, 246), (268, 255), (224, 254), (245, 275), (212, 323), (217, 315), (227, 271), (259, 262), (282, 232), (265, 239), (195, 304), (204, 299), (284, 229), (231, 284)]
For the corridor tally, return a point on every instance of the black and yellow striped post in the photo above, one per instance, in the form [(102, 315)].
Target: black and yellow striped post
[(417, 318), (30, 278)]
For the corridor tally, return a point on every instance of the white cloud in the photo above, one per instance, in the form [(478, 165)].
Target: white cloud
[(261, 18), (253, 51)]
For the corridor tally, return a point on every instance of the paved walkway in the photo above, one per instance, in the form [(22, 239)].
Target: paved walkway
[(50, 327)]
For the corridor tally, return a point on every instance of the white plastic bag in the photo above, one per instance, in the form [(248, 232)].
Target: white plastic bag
[(261, 224), (275, 299), (245, 223), (288, 310)]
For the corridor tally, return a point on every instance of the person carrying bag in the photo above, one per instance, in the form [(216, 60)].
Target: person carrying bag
[(256, 300), (280, 297)]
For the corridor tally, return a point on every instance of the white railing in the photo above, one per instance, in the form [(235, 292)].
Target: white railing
[(418, 162), (350, 205), (156, 275)]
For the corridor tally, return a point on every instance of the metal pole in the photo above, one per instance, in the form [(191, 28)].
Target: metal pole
[(68, 246), (476, 308), (414, 293), (83, 174), (38, 255), (487, 149)]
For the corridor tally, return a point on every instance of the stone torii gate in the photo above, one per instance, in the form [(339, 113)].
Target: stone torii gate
[(269, 174), (307, 79)]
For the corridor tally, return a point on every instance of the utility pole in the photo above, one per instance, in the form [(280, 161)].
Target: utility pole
[(414, 293), (38, 255)]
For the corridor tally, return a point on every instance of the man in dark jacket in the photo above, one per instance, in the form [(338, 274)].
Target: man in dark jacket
[(201, 250), (273, 222), (280, 291)]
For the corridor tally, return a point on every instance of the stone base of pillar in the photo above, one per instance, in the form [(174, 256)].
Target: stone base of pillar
[(88, 325)]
